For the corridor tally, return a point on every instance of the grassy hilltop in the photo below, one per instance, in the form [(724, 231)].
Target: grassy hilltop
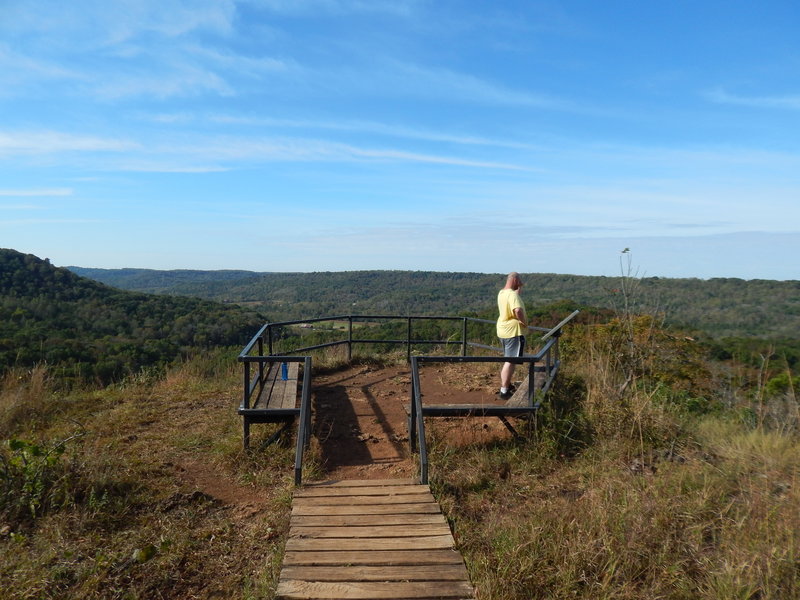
[(656, 470)]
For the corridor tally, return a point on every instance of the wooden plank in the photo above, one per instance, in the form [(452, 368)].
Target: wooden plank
[(365, 520), (381, 490), (279, 393), (365, 500), (310, 508), (376, 531), (381, 540), (361, 483), (447, 572), (520, 397), (446, 556), (263, 397), (287, 396), (353, 590), (476, 410), (431, 542)]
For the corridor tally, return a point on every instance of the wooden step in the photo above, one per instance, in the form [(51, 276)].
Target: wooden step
[(384, 539)]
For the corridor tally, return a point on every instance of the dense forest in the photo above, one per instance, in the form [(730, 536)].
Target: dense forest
[(92, 331), (70, 317), (721, 308)]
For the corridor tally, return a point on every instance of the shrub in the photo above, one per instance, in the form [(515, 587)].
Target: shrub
[(33, 478)]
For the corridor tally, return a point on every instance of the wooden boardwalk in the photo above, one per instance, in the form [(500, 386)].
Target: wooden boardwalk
[(373, 539)]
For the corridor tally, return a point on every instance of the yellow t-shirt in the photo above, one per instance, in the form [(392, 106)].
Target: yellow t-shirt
[(507, 324)]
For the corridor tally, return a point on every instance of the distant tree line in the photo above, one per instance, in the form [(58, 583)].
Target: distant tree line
[(92, 331), (718, 307)]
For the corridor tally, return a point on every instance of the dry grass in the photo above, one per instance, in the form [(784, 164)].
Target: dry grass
[(637, 498), (24, 398), (163, 502), (622, 492)]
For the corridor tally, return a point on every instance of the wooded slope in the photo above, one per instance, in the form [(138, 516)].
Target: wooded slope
[(51, 315), (719, 307)]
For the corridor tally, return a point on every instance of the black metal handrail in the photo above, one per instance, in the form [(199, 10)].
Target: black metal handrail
[(416, 431), (260, 351), (265, 335), (254, 387), (304, 425), (547, 354)]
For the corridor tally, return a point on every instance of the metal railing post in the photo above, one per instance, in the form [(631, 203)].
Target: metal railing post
[(304, 422), (412, 421), (417, 409), (246, 396), (408, 338), (531, 381), (349, 338), (269, 339), (260, 366), (246, 404), (464, 338)]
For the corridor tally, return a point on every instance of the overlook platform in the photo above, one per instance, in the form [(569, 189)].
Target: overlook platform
[(380, 538)]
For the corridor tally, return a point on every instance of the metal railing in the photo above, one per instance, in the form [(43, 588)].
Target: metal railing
[(546, 360), (267, 334), (261, 351), (254, 387)]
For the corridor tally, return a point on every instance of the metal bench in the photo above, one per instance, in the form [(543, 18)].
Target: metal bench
[(276, 400)]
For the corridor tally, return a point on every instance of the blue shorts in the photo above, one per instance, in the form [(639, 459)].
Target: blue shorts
[(513, 346)]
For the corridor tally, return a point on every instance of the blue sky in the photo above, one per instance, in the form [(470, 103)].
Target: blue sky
[(329, 135)]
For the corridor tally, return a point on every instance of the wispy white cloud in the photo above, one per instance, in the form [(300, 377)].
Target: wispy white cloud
[(397, 78), (128, 48), (240, 63), (96, 23), (46, 192), (214, 155), (20, 207), (789, 102), (386, 129), (166, 81), (338, 7), (16, 67), (52, 142), (399, 155), (209, 153), (153, 166), (312, 150), (37, 221)]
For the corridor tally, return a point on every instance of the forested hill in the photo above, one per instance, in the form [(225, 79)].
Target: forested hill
[(162, 282), (719, 307), (90, 330)]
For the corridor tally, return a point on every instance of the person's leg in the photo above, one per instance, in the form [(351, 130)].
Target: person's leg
[(511, 347), (505, 375)]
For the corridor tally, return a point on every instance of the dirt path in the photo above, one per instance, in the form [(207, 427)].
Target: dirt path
[(361, 423)]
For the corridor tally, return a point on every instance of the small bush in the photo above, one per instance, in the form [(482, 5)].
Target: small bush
[(33, 479)]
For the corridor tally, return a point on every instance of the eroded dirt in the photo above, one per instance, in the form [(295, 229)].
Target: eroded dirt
[(361, 425), (361, 419)]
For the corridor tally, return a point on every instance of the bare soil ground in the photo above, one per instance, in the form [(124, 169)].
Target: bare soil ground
[(361, 425), (361, 420)]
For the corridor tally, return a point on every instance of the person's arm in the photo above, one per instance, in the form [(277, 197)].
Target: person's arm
[(519, 315)]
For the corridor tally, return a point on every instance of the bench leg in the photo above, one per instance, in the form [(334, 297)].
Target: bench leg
[(275, 436), (510, 427), (246, 434)]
